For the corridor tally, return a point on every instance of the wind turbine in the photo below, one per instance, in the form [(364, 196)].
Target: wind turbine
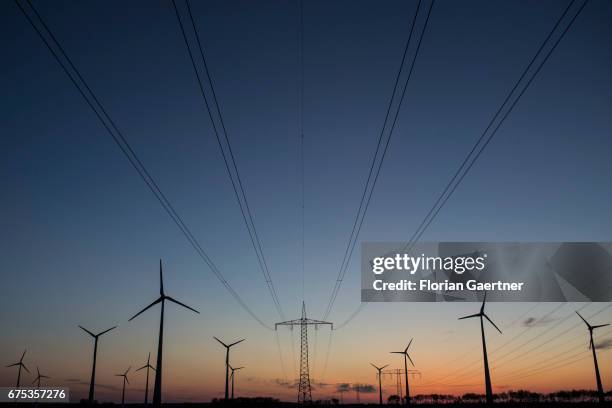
[(379, 381), (125, 380), (93, 369), (147, 366), (600, 392), (161, 299), (39, 376), (233, 375), (227, 366), (406, 358), (481, 314), (20, 365)]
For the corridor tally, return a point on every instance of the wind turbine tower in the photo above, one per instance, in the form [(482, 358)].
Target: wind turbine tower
[(304, 389), (380, 400), (234, 369), (147, 366), (20, 365), (600, 392), (227, 364), (92, 381), (125, 380), (157, 390), (406, 358), (481, 314), (39, 376)]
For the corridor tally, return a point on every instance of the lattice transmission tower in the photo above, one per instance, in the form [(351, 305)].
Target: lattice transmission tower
[(304, 390)]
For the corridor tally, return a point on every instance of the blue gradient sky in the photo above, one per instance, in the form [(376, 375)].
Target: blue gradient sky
[(82, 235)]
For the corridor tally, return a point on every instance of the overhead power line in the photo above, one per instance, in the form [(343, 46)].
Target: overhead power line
[(547, 342), (483, 141), (122, 143), (227, 153), (479, 146), (379, 154), (302, 143)]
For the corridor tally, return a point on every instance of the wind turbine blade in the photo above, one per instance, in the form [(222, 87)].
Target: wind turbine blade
[(397, 352), (494, 325), (383, 367), (128, 370), (601, 325), (144, 366), (25, 368), (470, 316), (236, 342), (87, 331), (224, 345), (152, 304), (161, 279), (126, 379), (44, 376), (374, 366), (149, 358), (238, 368), (411, 362), (36, 379), (37, 371), (23, 355), (585, 322), (12, 365), (106, 331), (181, 304), (408, 346)]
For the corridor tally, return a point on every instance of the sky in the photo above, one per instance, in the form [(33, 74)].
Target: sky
[(82, 235)]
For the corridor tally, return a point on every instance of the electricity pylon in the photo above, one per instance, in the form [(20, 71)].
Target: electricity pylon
[(304, 391)]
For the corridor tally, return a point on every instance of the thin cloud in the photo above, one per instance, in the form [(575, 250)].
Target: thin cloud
[(604, 344), (534, 321)]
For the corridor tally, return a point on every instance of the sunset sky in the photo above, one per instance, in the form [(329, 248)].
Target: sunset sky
[(82, 235)]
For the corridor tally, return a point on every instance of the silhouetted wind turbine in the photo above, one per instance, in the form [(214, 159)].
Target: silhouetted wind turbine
[(39, 376), (227, 365), (600, 392), (481, 314), (20, 365), (161, 299), (233, 375), (379, 381), (125, 380), (406, 358), (95, 353), (147, 366)]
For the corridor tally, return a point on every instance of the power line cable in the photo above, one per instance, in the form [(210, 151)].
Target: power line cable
[(460, 372), (471, 159), (228, 157), (546, 342), (121, 141), (280, 355), (368, 190), (425, 223), (302, 142), (327, 353)]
